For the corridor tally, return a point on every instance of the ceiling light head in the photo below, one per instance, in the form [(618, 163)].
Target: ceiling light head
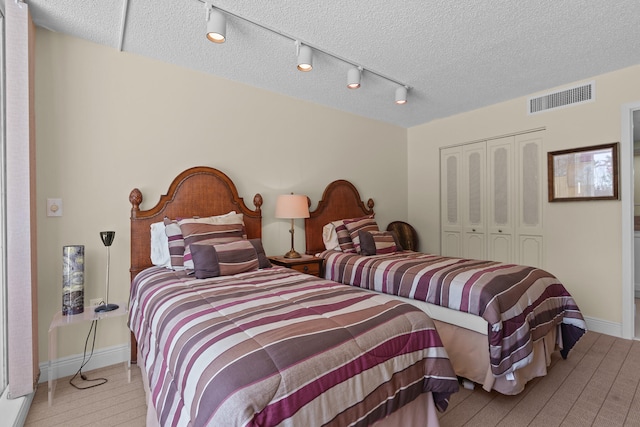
[(216, 25), (353, 78), (401, 95), (305, 57)]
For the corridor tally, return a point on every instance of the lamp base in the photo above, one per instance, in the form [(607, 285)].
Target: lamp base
[(292, 254), (106, 307)]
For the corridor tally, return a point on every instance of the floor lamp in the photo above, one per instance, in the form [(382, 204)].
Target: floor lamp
[(107, 239), (292, 206)]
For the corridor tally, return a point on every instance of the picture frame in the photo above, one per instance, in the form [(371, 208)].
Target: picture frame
[(583, 174)]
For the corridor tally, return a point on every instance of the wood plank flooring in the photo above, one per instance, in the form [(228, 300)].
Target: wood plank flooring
[(598, 385)]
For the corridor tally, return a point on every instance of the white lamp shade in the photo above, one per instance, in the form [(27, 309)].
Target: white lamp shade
[(305, 58), (292, 206), (216, 27)]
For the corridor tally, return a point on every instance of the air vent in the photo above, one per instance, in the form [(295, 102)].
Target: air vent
[(563, 98)]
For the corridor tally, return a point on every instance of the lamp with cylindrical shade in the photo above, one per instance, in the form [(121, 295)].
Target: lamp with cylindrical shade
[(292, 206)]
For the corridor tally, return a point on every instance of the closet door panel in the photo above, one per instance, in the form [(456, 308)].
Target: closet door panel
[(474, 198), (529, 225), (500, 185), (451, 201), (530, 250)]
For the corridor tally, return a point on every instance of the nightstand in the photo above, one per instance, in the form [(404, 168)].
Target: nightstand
[(59, 320), (307, 264)]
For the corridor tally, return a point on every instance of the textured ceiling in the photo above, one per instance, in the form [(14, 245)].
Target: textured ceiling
[(455, 55)]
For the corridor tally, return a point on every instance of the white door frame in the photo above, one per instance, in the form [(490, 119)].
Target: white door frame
[(627, 195)]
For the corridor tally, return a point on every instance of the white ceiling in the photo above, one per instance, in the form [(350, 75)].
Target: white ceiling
[(455, 55)]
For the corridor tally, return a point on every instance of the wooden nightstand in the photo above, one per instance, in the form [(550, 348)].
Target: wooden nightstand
[(307, 264)]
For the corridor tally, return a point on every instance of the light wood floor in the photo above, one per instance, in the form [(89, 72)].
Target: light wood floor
[(598, 385), (116, 403)]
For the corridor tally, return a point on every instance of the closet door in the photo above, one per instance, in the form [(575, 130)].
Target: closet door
[(451, 201), (529, 231), (500, 227), (474, 193)]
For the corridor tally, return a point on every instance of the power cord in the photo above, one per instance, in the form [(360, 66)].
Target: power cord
[(94, 328)]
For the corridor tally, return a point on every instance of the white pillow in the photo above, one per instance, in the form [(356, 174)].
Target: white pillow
[(160, 246), (330, 237)]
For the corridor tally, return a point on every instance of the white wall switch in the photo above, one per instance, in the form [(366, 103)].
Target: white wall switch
[(54, 207)]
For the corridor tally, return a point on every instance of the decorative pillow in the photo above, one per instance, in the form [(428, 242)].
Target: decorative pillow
[(344, 239), (377, 242), (176, 239), (224, 259), (197, 231), (354, 226), (263, 261), (330, 237), (205, 261), (160, 255), (176, 243)]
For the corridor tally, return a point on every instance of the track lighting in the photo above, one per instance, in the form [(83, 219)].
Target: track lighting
[(353, 78), (305, 57), (216, 25), (401, 95), (216, 32)]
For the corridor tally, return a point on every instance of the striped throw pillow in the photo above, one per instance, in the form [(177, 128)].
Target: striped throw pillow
[(224, 259), (377, 242), (196, 231), (344, 239), (176, 239), (354, 226)]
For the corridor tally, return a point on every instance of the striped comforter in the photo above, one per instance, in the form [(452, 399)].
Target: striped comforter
[(521, 304), (277, 347)]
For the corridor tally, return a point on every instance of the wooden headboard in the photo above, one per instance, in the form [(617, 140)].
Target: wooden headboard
[(198, 191), (340, 200)]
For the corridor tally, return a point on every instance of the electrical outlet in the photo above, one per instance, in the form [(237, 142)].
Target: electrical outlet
[(95, 301)]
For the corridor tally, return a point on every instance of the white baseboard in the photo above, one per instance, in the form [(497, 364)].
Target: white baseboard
[(14, 411), (67, 366), (603, 326)]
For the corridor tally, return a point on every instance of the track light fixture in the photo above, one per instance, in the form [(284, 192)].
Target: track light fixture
[(216, 25), (353, 77), (401, 95), (216, 32), (305, 57)]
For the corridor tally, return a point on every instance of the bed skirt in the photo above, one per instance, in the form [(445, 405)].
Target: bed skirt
[(420, 412), (469, 356)]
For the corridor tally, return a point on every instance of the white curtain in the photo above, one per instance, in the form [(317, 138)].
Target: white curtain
[(3, 281), (21, 268)]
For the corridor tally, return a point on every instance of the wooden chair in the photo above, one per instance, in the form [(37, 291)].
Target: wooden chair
[(407, 235)]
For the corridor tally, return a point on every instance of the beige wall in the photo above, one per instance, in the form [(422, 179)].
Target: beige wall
[(109, 121), (582, 239)]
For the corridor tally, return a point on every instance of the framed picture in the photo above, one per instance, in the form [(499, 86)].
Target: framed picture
[(588, 173)]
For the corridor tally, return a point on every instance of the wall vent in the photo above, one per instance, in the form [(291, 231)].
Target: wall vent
[(563, 98)]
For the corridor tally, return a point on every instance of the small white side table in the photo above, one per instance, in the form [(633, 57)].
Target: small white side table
[(88, 315)]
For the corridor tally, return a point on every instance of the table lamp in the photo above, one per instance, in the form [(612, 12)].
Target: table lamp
[(292, 206), (107, 239)]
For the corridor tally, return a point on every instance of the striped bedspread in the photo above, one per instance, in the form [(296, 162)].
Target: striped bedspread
[(277, 347), (521, 304)]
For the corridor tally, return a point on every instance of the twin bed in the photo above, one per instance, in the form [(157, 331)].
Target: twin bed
[(233, 341), (499, 322)]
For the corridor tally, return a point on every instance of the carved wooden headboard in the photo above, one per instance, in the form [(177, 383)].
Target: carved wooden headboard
[(340, 200)]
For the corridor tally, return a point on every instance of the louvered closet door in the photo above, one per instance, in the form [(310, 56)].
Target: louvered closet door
[(474, 194), (529, 227), (451, 201), (500, 186)]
